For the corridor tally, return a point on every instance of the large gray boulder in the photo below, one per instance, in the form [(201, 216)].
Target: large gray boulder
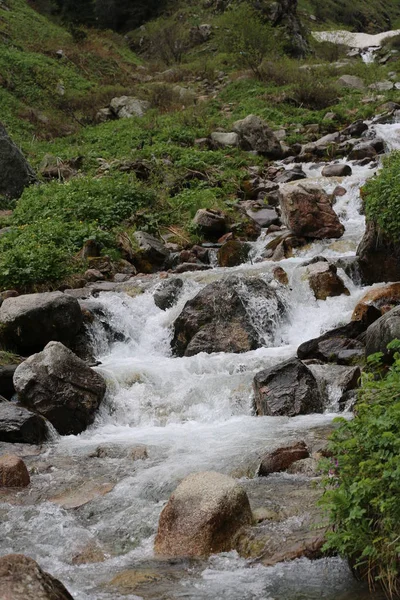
[(210, 223), (29, 322), (21, 426), (254, 134), (21, 578), (60, 386), (382, 332), (15, 172), (352, 82), (307, 211), (203, 516), (288, 389), (221, 317), (126, 107)]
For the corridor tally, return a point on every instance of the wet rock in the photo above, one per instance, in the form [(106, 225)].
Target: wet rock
[(223, 140), (307, 211), (16, 174), (91, 554), (211, 223), (168, 292), (126, 107), (61, 387), (288, 389), (13, 473), (233, 253), (280, 275), (28, 323), (132, 580), (254, 134), (282, 246), (339, 191), (382, 332), (383, 298), (203, 516), (378, 256), (6, 380), (290, 175), (351, 81), (21, 426), (264, 217), (307, 545), (281, 458), (362, 151), (355, 129), (336, 380), (341, 345), (337, 170), (187, 266), (137, 452), (21, 578), (324, 281), (152, 254), (218, 318), (83, 494)]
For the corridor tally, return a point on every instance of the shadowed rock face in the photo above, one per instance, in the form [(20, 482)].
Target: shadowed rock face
[(15, 172), (29, 322), (203, 516), (382, 332), (220, 319), (21, 578), (61, 387), (288, 389), (378, 256), (19, 425)]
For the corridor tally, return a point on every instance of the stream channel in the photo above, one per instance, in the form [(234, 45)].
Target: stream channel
[(191, 414)]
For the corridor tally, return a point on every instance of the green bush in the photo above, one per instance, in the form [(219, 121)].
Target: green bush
[(362, 486), (108, 201), (311, 91), (44, 251), (382, 197)]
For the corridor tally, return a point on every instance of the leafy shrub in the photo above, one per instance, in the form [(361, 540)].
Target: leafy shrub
[(43, 251), (280, 72), (243, 35), (313, 92), (382, 197), (362, 486), (108, 201)]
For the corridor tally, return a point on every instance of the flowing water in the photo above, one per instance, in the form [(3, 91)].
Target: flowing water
[(192, 414)]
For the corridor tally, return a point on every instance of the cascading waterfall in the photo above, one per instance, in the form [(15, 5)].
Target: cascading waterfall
[(192, 414)]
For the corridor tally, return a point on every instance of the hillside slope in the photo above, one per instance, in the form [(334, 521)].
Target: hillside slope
[(50, 83)]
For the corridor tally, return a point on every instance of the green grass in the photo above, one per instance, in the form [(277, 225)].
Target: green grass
[(31, 75)]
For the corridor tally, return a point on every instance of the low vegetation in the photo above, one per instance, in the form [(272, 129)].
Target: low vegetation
[(362, 483), (382, 197)]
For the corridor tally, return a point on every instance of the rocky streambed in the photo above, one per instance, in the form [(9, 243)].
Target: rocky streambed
[(237, 370)]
